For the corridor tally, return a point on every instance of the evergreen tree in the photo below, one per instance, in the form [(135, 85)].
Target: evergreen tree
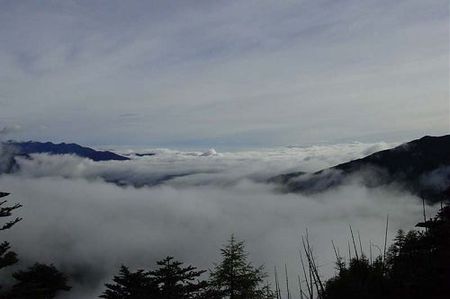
[(177, 282), (7, 257), (416, 266), (6, 211), (170, 281), (130, 285), (361, 279), (419, 262), (236, 278), (40, 281)]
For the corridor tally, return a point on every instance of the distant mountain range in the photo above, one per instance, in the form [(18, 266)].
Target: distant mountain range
[(32, 147), (421, 166)]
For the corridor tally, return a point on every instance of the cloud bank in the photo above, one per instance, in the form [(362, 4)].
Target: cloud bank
[(76, 219)]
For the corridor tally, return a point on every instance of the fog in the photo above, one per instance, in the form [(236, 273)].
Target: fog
[(187, 205)]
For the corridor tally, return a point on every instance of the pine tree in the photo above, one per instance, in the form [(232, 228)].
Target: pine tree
[(130, 285), (236, 278), (7, 257), (170, 281), (416, 266), (177, 282), (6, 211), (40, 281)]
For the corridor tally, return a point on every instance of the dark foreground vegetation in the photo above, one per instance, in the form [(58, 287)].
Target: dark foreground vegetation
[(417, 265), (233, 277), (39, 281)]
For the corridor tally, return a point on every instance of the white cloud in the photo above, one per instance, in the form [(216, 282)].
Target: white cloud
[(88, 227), (193, 168), (247, 73)]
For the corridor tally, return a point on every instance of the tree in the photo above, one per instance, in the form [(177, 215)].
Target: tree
[(39, 281), (361, 279), (7, 257), (236, 278), (416, 266), (130, 285), (170, 281), (177, 282), (419, 261), (6, 211)]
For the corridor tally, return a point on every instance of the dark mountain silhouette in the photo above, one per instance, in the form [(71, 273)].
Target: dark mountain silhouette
[(31, 147), (145, 154), (421, 166)]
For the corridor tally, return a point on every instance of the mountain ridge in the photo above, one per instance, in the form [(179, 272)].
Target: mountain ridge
[(34, 147), (408, 165)]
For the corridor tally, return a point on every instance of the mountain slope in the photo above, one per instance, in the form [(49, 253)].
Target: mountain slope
[(31, 147), (421, 166)]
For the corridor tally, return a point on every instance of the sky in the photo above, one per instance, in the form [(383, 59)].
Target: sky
[(223, 73)]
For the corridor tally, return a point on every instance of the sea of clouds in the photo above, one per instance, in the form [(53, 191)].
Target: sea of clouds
[(88, 218)]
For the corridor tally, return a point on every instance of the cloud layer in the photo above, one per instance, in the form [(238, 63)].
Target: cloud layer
[(88, 227), (196, 73)]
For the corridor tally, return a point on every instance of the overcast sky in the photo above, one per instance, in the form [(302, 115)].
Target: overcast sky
[(223, 73)]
